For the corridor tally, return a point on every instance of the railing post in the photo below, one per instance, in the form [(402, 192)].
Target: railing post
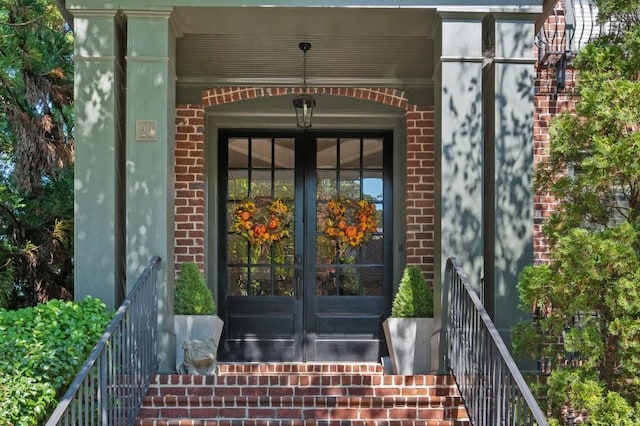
[(103, 394)]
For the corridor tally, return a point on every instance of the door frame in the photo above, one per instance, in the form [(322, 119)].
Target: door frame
[(306, 306), (335, 113)]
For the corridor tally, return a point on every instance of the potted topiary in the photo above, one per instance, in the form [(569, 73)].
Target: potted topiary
[(197, 328), (408, 331)]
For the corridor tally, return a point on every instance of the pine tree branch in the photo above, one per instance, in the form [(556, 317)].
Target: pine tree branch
[(66, 15)]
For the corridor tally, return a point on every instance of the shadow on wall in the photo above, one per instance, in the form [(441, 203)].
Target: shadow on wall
[(487, 186)]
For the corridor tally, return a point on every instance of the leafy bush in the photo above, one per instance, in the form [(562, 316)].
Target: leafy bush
[(414, 298), (41, 350), (192, 296), (578, 391)]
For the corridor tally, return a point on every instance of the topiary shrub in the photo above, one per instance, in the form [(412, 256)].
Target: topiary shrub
[(41, 350), (414, 298), (192, 296)]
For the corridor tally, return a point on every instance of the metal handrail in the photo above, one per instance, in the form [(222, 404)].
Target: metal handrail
[(112, 383), (491, 385)]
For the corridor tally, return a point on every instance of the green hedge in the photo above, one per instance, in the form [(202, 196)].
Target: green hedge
[(41, 350)]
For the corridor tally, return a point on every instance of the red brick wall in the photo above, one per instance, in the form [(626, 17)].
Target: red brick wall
[(420, 189), (549, 101), (189, 185), (190, 219), (546, 107)]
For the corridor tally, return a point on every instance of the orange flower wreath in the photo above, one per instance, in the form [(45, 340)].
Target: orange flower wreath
[(350, 222), (263, 221)]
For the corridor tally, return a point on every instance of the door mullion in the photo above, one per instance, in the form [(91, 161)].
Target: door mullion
[(309, 259), (300, 245)]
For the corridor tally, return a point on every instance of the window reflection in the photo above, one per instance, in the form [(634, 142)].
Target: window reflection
[(372, 186), (372, 154), (350, 153), (238, 153), (327, 153)]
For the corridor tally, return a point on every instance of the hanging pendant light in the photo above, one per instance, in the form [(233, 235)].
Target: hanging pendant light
[(304, 103)]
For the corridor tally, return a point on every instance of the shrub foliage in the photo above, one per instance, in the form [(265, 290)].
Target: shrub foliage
[(192, 296), (588, 295), (414, 298), (41, 350)]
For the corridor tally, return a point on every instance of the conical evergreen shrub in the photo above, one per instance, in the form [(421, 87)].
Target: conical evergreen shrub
[(192, 296), (414, 298)]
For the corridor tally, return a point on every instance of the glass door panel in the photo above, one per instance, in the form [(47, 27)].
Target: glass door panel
[(260, 235), (306, 243)]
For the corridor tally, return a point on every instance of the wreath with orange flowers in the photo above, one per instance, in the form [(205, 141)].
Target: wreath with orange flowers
[(263, 221), (350, 222)]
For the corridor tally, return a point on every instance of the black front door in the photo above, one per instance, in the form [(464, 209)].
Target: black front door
[(305, 250)]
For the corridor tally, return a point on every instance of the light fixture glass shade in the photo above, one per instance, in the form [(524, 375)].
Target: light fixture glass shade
[(304, 105)]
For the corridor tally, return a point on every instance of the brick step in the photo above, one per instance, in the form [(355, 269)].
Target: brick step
[(260, 422), (300, 394), (169, 401), (294, 413), (301, 385)]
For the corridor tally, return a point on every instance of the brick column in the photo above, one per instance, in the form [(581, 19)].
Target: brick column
[(420, 193), (190, 196)]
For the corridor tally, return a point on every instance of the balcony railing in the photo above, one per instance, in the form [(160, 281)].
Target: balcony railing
[(113, 381), (569, 26), (491, 385)]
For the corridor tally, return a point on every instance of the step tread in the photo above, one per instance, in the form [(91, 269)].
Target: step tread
[(304, 380), (260, 422), (299, 401)]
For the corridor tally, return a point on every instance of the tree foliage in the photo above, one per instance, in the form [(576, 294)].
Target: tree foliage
[(588, 296), (36, 146)]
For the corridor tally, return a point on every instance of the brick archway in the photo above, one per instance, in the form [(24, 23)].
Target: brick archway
[(190, 168)]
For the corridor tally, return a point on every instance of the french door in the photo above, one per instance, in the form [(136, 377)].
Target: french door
[(305, 252)]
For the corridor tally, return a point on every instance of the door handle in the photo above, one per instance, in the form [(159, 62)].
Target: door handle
[(298, 277)]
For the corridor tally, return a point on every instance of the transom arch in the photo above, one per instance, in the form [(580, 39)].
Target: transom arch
[(225, 95)]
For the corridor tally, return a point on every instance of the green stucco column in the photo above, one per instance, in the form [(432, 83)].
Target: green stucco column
[(459, 157), (99, 147), (150, 160), (509, 153)]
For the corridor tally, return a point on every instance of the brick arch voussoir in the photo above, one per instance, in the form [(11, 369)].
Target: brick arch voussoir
[(224, 95)]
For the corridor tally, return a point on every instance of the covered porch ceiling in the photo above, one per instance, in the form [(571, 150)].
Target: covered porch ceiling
[(365, 47)]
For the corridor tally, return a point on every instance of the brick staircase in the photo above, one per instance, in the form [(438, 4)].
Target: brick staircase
[(302, 394)]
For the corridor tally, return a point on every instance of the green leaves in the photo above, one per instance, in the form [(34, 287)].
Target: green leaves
[(414, 298), (41, 350), (588, 295), (192, 296)]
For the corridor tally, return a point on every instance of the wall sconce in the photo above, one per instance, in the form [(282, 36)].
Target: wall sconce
[(304, 103)]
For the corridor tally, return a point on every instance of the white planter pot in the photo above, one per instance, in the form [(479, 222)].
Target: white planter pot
[(196, 327), (409, 344)]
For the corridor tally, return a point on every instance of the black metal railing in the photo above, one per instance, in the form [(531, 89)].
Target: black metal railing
[(568, 28), (112, 383), (491, 385)]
